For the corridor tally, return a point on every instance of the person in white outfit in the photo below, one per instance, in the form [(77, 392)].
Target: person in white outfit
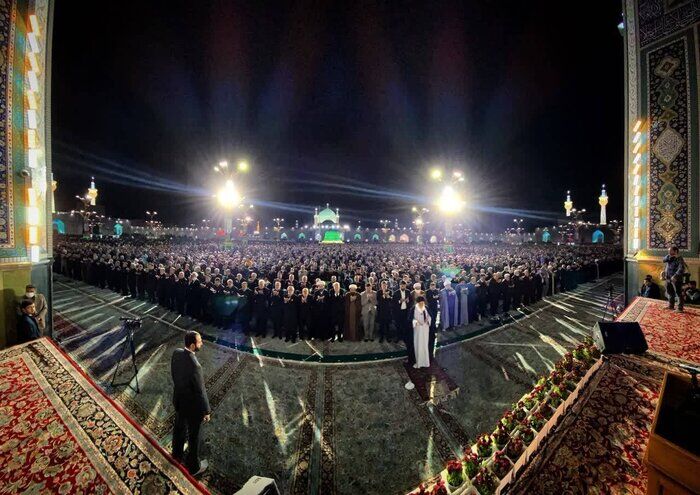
[(421, 332)]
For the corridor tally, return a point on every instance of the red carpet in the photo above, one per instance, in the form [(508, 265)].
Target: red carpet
[(599, 445), (60, 434), (672, 334)]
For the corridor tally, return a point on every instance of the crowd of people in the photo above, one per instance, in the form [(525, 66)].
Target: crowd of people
[(353, 292)]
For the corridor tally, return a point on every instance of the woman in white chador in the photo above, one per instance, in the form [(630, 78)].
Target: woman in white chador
[(421, 333)]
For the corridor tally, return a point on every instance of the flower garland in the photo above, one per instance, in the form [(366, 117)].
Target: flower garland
[(493, 455)]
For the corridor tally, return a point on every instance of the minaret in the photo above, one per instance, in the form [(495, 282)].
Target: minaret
[(568, 204), (92, 192), (603, 201)]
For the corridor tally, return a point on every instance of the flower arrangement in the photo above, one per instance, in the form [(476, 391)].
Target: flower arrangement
[(455, 473), (440, 489), (556, 377), (570, 381), (501, 465), (471, 463), (581, 353), (484, 445), (539, 392), (546, 411), (567, 362), (537, 421), (555, 397), (593, 351), (519, 413), (485, 482), (514, 448), (500, 436), (526, 433), (508, 420), (529, 401)]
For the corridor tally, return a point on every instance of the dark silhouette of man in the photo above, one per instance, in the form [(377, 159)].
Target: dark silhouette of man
[(191, 403)]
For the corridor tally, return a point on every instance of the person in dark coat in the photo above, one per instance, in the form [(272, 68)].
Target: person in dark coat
[(482, 296), (320, 314), (261, 309), (193, 297), (140, 280), (162, 287), (290, 312), (402, 303), (305, 314), (495, 290), (336, 302), (27, 327), (131, 280), (150, 283), (181, 292), (191, 403), (245, 303), (507, 292), (277, 310), (432, 298), (385, 303)]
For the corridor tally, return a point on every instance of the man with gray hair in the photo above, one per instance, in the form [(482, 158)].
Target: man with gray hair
[(368, 299)]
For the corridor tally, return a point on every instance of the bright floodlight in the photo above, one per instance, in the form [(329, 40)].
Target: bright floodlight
[(242, 166), (223, 164), (228, 196), (450, 201), (436, 174)]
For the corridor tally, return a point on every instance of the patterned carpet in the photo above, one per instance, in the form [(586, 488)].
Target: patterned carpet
[(669, 333), (599, 446), (61, 434)]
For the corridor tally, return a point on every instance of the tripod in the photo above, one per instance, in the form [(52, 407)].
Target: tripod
[(128, 342), (609, 303)]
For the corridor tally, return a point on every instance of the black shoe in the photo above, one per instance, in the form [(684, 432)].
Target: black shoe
[(340, 338), (286, 340)]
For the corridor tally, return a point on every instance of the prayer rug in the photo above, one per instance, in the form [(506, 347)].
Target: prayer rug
[(599, 445), (676, 335), (432, 384), (61, 434)]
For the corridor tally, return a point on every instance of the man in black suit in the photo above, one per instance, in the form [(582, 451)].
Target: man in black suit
[(402, 301), (190, 401)]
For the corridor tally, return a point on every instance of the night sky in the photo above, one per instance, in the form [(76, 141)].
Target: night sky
[(348, 103)]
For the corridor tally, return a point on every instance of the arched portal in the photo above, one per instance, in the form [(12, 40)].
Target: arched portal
[(598, 237), (546, 236), (357, 237), (392, 238), (118, 229), (433, 239), (403, 238), (375, 237), (59, 226), (301, 236), (284, 236)]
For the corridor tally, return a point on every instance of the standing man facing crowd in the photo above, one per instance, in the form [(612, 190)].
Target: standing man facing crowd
[(673, 275), (191, 403)]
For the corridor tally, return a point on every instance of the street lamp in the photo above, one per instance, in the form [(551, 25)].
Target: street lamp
[(228, 196)]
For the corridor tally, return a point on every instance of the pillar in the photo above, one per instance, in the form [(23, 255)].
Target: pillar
[(661, 132), (25, 161)]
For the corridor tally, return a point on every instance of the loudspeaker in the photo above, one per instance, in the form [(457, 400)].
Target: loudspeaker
[(615, 337)]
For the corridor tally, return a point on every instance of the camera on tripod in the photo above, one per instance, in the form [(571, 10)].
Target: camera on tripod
[(131, 323)]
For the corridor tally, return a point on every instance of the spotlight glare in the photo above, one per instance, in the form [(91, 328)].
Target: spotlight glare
[(243, 166), (436, 174), (223, 164), (228, 196), (450, 201)]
